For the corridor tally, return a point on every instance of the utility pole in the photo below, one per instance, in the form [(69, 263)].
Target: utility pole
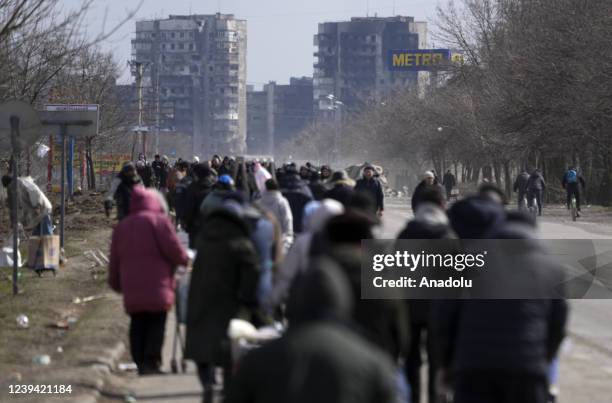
[(138, 68)]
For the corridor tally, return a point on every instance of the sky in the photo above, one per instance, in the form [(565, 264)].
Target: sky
[(280, 32)]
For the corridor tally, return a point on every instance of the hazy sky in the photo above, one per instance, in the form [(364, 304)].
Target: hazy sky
[(280, 32)]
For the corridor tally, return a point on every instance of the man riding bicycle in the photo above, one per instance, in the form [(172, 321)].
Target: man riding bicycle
[(572, 181)]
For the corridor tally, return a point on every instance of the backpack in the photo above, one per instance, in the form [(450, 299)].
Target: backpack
[(571, 176)]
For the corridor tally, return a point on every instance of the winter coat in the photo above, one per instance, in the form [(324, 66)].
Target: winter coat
[(385, 323), (318, 189), (121, 192), (297, 193), (536, 182), (418, 191), (372, 187), (319, 359), (508, 336), (225, 278), (340, 192), (449, 180), (144, 253), (520, 184), (275, 203), (194, 196), (147, 176), (298, 258)]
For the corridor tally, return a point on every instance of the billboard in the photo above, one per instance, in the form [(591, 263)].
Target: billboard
[(420, 59)]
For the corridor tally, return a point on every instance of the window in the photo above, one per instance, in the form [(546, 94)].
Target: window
[(181, 46), (191, 46), (163, 46), (182, 35), (172, 46)]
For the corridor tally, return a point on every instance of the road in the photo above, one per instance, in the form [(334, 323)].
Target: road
[(586, 362)]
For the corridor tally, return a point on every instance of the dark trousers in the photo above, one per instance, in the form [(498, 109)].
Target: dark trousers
[(448, 192), (521, 197), (488, 387), (206, 373), (419, 335), (535, 194), (573, 190), (146, 340)]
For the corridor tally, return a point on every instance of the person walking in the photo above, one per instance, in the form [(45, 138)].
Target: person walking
[(449, 182), (520, 188), (370, 185), (342, 188), (144, 254), (196, 192), (297, 193), (224, 282), (120, 191), (535, 188), (275, 203), (429, 180)]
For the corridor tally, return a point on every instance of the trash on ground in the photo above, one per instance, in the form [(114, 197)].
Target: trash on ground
[(23, 321), (127, 367), (42, 359), (78, 300)]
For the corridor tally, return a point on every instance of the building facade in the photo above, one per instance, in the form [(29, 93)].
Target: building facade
[(194, 78), (351, 62), (278, 113)]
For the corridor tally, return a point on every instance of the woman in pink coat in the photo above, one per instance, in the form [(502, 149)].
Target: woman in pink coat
[(144, 254)]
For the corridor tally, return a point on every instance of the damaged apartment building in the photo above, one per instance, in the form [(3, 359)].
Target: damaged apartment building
[(194, 79), (351, 61)]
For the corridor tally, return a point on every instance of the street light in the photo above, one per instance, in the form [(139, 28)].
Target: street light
[(335, 106)]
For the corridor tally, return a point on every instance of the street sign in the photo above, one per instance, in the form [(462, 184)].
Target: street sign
[(74, 117), (30, 129)]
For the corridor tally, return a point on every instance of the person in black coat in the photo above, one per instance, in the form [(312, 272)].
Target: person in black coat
[(342, 188), (371, 185), (520, 187), (501, 350), (195, 195), (320, 359), (535, 187), (317, 187), (430, 222), (121, 190), (429, 180), (449, 182), (223, 283), (297, 193), (383, 322)]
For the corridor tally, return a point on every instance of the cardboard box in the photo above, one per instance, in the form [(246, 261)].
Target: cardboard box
[(44, 252)]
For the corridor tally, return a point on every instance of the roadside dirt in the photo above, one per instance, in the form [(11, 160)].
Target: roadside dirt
[(63, 323)]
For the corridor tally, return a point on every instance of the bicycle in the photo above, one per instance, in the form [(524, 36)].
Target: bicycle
[(573, 209)]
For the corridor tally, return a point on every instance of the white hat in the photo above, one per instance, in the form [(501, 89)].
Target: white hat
[(428, 174)]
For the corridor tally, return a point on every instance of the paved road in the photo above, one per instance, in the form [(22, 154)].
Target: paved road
[(586, 368)]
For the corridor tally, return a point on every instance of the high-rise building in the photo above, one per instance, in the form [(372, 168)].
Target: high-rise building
[(352, 60), (277, 114), (195, 78)]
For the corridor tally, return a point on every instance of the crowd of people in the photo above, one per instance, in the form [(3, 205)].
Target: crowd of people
[(283, 244)]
